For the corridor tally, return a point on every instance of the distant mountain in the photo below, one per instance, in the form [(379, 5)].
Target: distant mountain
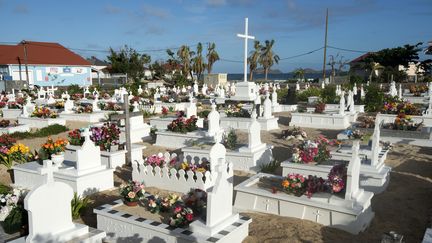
[(271, 71)]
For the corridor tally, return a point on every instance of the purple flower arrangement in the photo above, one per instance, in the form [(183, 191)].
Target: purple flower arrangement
[(105, 136)]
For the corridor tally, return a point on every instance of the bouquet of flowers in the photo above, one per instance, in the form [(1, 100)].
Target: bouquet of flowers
[(320, 107), (16, 153), (294, 184), (75, 137), (367, 122), (59, 104), (196, 199), (356, 134), (133, 191), (51, 147), (77, 96), (164, 111), (195, 167), (182, 217), (43, 112), (294, 133), (105, 136), (155, 160), (157, 204), (314, 184), (400, 106), (9, 201), (237, 111), (14, 105), (312, 151), (4, 123), (110, 106), (2, 104), (417, 90), (337, 178), (183, 125), (83, 109), (403, 122)]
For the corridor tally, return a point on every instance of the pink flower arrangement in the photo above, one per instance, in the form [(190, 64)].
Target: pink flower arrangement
[(312, 151), (133, 191)]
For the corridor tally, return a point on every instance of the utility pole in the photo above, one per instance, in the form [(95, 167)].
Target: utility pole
[(325, 48), (26, 62)]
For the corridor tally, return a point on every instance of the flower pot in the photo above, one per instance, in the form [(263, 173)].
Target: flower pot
[(131, 204), (57, 159)]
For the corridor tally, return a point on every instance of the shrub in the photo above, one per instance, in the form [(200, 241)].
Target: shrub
[(16, 219), (74, 89), (204, 113), (4, 189), (328, 95), (230, 139), (312, 91), (282, 95), (374, 98), (43, 132), (270, 167), (78, 204)]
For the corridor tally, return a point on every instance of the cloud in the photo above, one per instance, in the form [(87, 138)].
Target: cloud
[(110, 9), (155, 12), (21, 9)]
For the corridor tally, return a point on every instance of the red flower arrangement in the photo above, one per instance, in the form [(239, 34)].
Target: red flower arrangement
[(182, 125)]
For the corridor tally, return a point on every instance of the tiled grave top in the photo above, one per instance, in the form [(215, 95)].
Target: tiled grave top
[(185, 233)]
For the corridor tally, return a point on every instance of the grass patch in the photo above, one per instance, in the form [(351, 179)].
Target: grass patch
[(4, 189), (43, 132), (270, 167)]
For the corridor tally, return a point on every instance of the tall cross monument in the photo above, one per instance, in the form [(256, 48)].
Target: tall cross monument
[(246, 37)]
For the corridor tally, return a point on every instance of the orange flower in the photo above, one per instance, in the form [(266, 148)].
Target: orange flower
[(285, 183)]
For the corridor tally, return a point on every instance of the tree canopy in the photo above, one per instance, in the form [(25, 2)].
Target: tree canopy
[(128, 61)]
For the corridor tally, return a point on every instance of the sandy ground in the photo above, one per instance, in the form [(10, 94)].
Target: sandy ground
[(405, 207)]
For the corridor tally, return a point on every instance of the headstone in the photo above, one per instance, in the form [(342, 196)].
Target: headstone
[(140, 90), (429, 109), (351, 102), (393, 90), (28, 107), (68, 106), (400, 91), (95, 103), (257, 103), (41, 94), (362, 92), (195, 88), (267, 107), (342, 103), (254, 132), (204, 89), (86, 92), (352, 187), (274, 97), (135, 107), (86, 151), (375, 150), (297, 86), (191, 110), (213, 121), (219, 198), (51, 99)]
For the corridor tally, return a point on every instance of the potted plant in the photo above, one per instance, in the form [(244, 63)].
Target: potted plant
[(106, 137), (55, 149), (132, 192)]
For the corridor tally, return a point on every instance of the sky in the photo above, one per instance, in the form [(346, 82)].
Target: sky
[(90, 27)]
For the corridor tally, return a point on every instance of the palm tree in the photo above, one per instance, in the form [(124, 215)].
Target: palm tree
[(198, 65), (185, 55), (212, 56), (267, 57), (253, 59), (299, 73)]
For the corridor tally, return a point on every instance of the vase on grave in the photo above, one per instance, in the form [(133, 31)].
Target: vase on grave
[(131, 204), (57, 159)]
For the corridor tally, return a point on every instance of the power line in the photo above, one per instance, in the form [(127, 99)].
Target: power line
[(349, 50), (303, 54)]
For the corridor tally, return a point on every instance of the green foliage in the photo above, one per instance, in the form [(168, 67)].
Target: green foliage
[(78, 204), (74, 89), (374, 98), (281, 95), (204, 113), (393, 57), (43, 132), (127, 60), (4, 189), (230, 140), (356, 79), (270, 167), (16, 219), (312, 91), (328, 94), (148, 114)]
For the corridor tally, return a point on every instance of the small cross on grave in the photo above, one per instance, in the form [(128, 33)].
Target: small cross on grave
[(317, 215), (48, 169), (267, 204), (86, 134)]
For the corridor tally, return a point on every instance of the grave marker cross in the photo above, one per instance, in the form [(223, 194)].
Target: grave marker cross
[(317, 215), (48, 169)]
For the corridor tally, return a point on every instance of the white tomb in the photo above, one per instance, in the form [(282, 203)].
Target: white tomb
[(351, 212), (220, 225), (268, 121), (86, 174)]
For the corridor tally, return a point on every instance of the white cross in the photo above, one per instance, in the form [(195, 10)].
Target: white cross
[(48, 169), (267, 204), (86, 134), (246, 37), (317, 214)]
